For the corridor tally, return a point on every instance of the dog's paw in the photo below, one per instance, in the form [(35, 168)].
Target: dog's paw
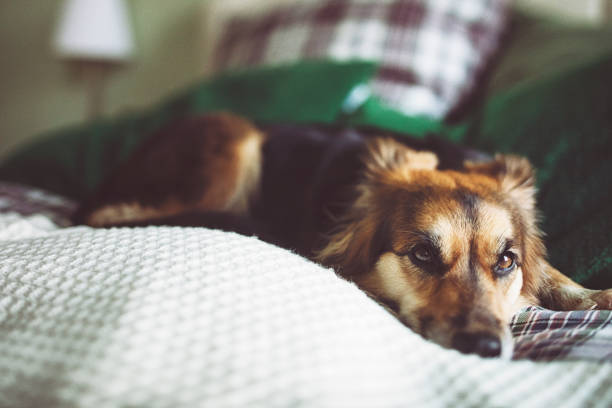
[(602, 299), (597, 299)]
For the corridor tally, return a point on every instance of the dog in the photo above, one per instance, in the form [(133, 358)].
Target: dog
[(443, 236)]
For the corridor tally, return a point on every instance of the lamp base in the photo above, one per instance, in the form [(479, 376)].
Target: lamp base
[(95, 74)]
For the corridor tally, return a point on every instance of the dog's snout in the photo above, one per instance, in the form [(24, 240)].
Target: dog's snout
[(483, 344)]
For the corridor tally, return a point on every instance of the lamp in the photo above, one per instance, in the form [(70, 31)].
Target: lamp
[(94, 36)]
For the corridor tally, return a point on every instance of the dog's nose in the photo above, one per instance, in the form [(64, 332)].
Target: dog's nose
[(484, 344)]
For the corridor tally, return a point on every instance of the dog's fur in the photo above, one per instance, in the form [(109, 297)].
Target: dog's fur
[(448, 242)]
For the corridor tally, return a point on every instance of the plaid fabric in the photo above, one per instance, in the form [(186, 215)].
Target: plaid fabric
[(430, 51), (25, 200), (541, 334)]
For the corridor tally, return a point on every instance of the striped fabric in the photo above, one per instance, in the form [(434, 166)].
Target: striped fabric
[(542, 334), (431, 52)]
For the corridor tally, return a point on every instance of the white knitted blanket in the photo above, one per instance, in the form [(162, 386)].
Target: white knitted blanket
[(186, 317)]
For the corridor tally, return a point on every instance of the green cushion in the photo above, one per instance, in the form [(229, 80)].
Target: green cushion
[(72, 161), (563, 124), (374, 113)]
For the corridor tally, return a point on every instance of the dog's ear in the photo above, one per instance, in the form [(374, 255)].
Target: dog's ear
[(386, 155), (361, 234), (354, 247), (516, 178)]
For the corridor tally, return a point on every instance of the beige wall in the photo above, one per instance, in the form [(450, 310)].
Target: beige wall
[(592, 12), (37, 92)]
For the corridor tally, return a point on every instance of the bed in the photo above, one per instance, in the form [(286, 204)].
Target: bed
[(170, 316)]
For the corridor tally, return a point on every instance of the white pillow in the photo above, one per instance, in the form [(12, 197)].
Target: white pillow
[(172, 317)]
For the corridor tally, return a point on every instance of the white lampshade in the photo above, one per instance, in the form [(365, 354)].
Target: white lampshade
[(94, 29)]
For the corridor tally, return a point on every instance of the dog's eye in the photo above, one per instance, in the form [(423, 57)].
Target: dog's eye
[(422, 253), (505, 263)]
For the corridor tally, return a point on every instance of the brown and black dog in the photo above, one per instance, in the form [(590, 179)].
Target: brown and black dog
[(449, 244)]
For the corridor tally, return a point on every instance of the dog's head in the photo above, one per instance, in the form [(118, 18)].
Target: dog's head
[(453, 253)]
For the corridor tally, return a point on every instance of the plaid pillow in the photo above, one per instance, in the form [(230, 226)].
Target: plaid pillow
[(430, 51)]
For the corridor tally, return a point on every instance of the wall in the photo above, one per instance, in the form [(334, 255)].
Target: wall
[(37, 92), (592, 12)]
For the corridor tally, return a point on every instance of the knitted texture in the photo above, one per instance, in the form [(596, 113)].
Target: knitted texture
[(188, 317)]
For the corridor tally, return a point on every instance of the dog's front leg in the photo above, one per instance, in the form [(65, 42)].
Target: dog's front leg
[(558, 292)]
